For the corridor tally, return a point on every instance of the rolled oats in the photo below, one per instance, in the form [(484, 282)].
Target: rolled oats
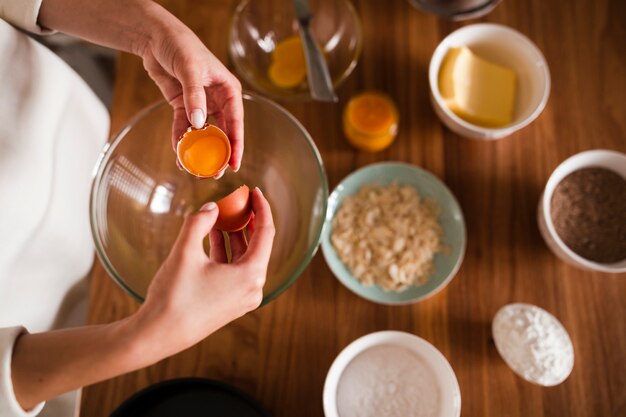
[(388, 236)]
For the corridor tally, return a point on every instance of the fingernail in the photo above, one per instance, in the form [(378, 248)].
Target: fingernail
[(258, 190), (233, 166), (208, 206), (198, 118)]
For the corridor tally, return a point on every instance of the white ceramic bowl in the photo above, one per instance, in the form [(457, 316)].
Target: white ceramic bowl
[(442, 371), (504, 46), (612, 160)]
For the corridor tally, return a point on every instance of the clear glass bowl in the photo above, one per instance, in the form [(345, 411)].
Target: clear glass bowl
[(139, 197), (257, 26)]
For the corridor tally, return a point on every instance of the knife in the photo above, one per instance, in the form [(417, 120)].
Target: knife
[(320, 83)]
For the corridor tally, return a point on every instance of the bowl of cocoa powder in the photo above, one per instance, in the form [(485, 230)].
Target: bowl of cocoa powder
[(582, 213)]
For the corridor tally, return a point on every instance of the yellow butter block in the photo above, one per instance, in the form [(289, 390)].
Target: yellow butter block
[(479, 91)]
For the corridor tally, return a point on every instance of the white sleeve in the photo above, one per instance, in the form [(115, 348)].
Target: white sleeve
[(23, 14), (9, 407)]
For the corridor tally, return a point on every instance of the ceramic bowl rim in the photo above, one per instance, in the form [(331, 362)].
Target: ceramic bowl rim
[(331, 213), (480, 132), (546, 199), (370, 340)]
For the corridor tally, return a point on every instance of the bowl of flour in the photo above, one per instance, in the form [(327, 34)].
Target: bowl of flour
[(391, 374), (533, 343)]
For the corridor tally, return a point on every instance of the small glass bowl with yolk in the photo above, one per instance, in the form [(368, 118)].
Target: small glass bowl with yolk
[(288, 68), (370, 121), (204, 152)]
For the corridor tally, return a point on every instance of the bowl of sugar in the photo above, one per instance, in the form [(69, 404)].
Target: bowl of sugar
[(391, 373), (488, 81)]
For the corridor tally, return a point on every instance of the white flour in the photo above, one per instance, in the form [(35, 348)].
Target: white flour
[(533, 343), (388, 381)]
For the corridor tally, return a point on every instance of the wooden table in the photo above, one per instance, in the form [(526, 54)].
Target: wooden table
[(280, 354)]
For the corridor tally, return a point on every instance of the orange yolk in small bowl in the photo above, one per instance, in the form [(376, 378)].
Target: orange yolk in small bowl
[(204, 152), (370, 121), (288, 66)]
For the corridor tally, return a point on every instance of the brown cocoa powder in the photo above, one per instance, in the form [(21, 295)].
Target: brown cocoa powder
[(588, 210)]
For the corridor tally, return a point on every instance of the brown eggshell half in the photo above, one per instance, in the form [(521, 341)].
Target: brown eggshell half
[(235, 210)]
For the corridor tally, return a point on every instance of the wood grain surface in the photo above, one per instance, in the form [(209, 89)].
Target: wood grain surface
[(281, 353)]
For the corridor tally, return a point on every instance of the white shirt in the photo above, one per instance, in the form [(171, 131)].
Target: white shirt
[(52, 128)]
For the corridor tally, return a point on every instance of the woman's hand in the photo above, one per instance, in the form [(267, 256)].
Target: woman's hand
[(196, 84), (193, 294), (190, 77)]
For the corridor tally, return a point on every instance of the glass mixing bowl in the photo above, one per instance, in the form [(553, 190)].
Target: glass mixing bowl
[(139, 197), (257, 26)]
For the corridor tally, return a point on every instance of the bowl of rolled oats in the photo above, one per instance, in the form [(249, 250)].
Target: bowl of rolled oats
[(394, 233)]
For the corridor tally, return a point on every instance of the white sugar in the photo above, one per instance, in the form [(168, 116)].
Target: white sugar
[(388, 381)]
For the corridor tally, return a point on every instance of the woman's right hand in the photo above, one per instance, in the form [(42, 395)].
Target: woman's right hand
[(192, 295)]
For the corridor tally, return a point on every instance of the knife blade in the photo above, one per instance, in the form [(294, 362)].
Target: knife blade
[(320, 83)]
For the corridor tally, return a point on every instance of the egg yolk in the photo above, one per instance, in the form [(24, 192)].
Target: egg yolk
[(284, 76), (204, 155), (290, 52), (371, 113), (370, 121), (288, 68)]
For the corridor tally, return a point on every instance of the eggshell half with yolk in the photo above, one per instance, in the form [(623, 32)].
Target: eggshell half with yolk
[(204, 152)]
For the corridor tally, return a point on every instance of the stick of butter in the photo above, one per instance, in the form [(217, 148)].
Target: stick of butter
[(478, 91)]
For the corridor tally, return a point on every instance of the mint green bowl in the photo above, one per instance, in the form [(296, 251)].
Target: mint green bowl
[(451, 219)]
